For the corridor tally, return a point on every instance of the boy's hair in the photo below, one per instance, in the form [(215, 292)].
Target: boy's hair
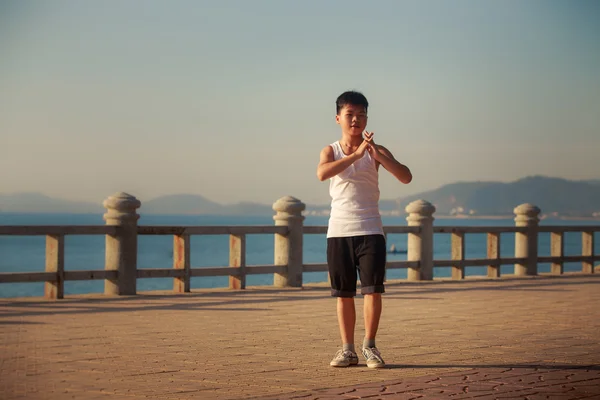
[(350, 97)]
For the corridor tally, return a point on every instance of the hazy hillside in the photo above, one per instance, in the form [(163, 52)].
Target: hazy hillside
[(576, 198), (246, 208), (37, 202), (388, 205), (552, 195), (170, 204), (448, 196), (195, 204), (181, 204)]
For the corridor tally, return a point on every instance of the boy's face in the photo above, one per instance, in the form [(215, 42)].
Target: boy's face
[(352, 119)]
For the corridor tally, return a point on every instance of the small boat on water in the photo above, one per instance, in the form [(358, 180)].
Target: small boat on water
[(394, 250)]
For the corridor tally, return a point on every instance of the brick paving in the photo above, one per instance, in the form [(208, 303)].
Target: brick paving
[(533, 338)]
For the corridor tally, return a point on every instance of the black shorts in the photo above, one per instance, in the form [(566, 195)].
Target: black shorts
[(346, 255)]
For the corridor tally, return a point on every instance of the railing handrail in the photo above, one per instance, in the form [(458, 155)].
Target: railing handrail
[(479, 229), (210, 229), (568, 228), (44, 230)]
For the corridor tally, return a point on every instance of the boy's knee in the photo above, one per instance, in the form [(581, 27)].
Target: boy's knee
[(346, 300), (372, 290)]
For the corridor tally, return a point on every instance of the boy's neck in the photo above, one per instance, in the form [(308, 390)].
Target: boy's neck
[(351, 141)]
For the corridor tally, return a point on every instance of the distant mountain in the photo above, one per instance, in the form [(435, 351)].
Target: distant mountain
[(246, 208), (389, 205), (170, 204), (552, 195), (37, 202), (196, 204), (181, 204)]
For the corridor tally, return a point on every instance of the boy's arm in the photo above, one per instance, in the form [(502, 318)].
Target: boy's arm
[(385, 158), (328, 167)]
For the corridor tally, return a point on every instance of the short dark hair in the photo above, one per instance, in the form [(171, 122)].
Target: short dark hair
[(351, 97)]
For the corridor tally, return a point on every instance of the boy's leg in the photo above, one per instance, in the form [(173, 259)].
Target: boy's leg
[(372, 259), (346, 318), (342, 273), (372, 313)]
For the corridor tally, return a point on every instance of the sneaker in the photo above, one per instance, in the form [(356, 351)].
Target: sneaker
[(344, 358), (373, 357)]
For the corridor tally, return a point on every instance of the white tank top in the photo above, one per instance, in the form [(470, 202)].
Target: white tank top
[(354, 198)]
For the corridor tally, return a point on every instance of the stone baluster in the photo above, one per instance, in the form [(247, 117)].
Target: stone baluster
[(420, 245), (526, 243), (121, 248), (288, 247)]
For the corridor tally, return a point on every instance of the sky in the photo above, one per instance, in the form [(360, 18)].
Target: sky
[(234, 100)]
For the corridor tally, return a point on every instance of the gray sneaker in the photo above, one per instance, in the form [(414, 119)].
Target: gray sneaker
[(344, 358), (373, 357)]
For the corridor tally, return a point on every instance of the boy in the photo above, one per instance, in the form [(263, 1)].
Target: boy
[(355, 238)]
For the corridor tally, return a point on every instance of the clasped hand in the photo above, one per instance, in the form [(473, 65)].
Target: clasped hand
[(369, 145)]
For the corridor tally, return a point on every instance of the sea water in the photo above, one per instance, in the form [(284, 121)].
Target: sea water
[(86, 252)]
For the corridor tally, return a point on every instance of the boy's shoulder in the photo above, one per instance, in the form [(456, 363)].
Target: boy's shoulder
[(327, 154), (329, 147)]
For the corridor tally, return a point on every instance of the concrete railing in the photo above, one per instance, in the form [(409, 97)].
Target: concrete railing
[(121, 230)]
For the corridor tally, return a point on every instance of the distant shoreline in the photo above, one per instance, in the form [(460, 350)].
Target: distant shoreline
[(578, 218), (566, 218), (473, 216)]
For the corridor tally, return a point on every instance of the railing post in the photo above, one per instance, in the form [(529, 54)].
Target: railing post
[(526, 244), (55, 262), (181, 260), (493, 253), (557, 249), (587, 250), (458, 253), (121, 249), (420, 245), (288, 248), (237, 260)]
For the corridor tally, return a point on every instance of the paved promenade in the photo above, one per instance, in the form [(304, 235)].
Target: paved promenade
[(534, 338)]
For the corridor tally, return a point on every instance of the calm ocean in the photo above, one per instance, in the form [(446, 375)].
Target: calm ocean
[(24, 254)]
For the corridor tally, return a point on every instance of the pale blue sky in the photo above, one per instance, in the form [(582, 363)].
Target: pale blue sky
[(235, 99)]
